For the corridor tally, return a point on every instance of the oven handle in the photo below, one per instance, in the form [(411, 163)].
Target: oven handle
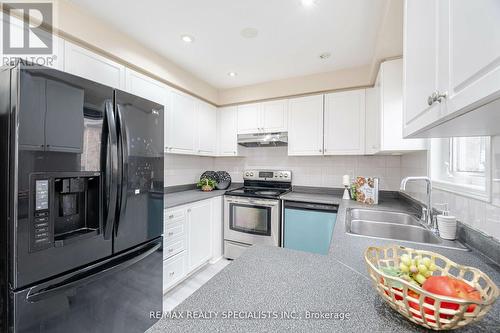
[(267, 203)]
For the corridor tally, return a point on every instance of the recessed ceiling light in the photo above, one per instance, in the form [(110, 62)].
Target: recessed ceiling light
[(325, 55), (249, 33), (187, 38), (308, 3), (232, 74)]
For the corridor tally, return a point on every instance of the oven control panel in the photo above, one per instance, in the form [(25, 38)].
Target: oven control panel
[(268, 175)]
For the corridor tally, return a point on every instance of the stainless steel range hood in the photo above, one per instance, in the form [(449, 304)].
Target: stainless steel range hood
[(263, 139)]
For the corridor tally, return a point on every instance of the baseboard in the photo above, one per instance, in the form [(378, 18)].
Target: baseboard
[(215, 260)]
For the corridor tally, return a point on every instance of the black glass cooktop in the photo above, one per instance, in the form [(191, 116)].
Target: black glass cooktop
[(258, 192)]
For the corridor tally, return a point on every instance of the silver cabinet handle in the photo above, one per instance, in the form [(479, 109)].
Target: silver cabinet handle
[(436, 97), (171, 273), (171, 216), (321, 150), (189, 210), (170, 233), (170, 250)]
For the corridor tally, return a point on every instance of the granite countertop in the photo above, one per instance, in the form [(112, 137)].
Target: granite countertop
[(270, 282), (185, 197)]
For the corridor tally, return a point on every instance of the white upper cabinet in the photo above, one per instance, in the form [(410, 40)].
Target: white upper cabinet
[(145, 87), (274, 116), (263, 117), (181, 124), (207, 129), (85, 63), (420, 63), (249, 118), (451, 66), (305, 126), (345, 123), (384, 113), (227, 124), (373, 118), (474, 52)]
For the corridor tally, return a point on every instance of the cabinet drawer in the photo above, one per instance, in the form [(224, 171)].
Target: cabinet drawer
[(174, 214), (172, 248), (174, 230), (174, 269)]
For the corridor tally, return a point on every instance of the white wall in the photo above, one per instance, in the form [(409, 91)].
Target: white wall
[(320, 171), (480, 215)]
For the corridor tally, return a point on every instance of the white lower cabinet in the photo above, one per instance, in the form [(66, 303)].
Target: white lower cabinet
[(192, 237), (174, 270), (199, 233)]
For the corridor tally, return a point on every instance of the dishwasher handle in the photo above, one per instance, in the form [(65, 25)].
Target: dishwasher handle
[(311, 206)]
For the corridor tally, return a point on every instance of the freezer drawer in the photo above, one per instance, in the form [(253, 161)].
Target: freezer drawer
[(115, 296)]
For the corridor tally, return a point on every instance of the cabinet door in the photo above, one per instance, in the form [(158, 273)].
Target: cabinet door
[(174, 270), (227, 131), (474, 52), (274, 116), (181, 124), (249, 118), (199, 234), (345, 123), (305, 126), (217, 228), (391, 98), (421, 64), (92, 66), (207, 129), (145, 87), (373, 112)]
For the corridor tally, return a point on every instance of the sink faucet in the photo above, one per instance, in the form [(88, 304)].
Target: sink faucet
[(427, 215)]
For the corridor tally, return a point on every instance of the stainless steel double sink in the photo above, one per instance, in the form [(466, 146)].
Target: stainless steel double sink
[(394, 225)]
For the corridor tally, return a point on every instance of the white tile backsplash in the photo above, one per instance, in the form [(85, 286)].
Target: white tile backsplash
[(185, 169), (478, 214), (321, 171)]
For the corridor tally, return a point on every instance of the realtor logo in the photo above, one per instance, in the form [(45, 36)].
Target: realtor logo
[(22, 28)]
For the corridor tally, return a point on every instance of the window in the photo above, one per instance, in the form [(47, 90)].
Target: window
[(461, 165)]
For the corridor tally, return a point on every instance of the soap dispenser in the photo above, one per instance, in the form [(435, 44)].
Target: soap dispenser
[(447, 224)]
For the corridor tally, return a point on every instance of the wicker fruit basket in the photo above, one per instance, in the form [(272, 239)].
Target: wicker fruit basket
[(420, 306)]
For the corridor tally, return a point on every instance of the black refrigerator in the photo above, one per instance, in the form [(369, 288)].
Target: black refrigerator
[(81, 204)]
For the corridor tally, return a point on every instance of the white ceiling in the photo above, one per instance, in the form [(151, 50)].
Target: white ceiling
[(290, 39)]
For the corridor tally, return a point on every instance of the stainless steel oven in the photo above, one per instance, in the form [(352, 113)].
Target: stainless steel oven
[(252, 213)]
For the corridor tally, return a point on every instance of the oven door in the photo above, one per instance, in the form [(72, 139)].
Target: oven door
[(251, 220)]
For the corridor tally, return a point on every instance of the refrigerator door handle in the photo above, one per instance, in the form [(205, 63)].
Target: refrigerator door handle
[(113, 181), (39, 293), (123, 135)]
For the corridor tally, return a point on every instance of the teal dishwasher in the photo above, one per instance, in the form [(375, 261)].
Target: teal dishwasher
[(308, 226)]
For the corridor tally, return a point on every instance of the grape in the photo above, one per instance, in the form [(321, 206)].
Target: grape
[(432, 267), (405, 259), (413, 268), (404, 268), (422, 268), (420, 278), (427, 262), (406, 277), (427, 274)]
